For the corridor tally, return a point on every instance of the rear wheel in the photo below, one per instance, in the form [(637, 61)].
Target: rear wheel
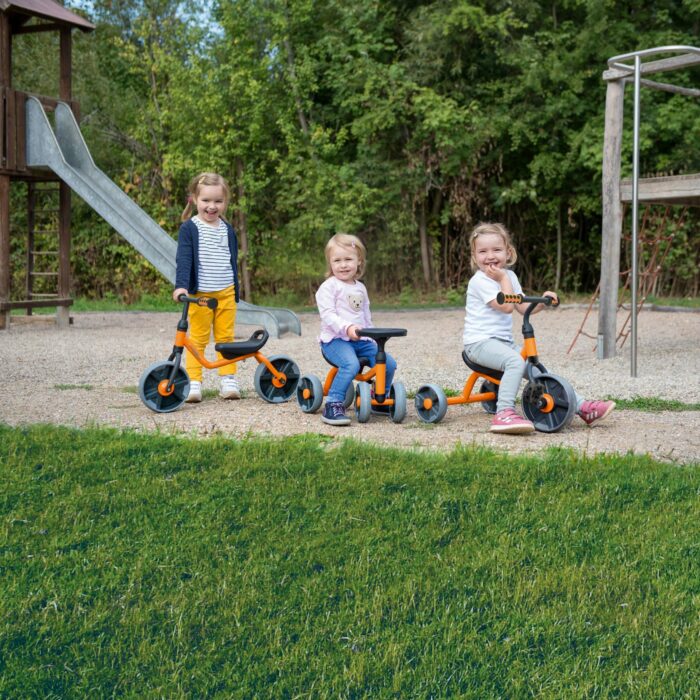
[(431, 403), (309, 393), (154, 391), (271, 389), (485, 388), (349, 395), (549, 402)]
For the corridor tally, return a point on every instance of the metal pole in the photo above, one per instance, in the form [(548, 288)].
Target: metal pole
[(635, 208)]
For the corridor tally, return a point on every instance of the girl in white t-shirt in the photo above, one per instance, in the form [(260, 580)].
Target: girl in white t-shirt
[(344, 308), (488, 327)]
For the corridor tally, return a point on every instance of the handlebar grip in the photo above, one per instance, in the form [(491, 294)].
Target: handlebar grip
[(502, 298), (200, 301)]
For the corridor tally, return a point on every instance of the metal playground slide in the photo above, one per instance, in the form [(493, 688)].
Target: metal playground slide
[(63, 150)]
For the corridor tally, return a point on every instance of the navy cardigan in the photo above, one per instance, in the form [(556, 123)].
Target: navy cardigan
[(187, 257)]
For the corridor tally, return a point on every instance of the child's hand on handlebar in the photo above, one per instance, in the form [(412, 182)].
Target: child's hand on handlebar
[(178, 292), (553, 296), (353, 332)]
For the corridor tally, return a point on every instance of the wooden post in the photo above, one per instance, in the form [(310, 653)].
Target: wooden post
[(5, 82), (5, 273), (612, 220), (31, 242), (64, 197)]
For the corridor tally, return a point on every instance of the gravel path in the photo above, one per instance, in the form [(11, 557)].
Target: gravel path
[(87, 375)]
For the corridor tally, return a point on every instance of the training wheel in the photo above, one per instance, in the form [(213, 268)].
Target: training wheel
[(549, 402), (363, 402), (431, 403), (153, 387), (271, 389), (309, 393)]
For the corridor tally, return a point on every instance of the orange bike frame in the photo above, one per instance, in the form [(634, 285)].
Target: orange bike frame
[(529, 349), (182, 340)]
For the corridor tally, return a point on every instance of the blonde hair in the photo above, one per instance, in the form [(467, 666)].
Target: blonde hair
[(485, 229), (204, 179), (346, 240)]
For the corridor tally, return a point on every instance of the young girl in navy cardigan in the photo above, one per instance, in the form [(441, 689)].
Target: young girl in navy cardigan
[(207, 264)]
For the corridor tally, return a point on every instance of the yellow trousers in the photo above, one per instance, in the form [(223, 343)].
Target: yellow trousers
[(202, 320)]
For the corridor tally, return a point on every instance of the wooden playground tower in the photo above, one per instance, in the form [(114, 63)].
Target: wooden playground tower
[(671, 190), (24, 17)]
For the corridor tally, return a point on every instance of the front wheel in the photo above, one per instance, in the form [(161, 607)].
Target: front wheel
[(431, 403), (309, 393), (363, 402), (154, 391), (397, 410), (549, 402), (277, 391)]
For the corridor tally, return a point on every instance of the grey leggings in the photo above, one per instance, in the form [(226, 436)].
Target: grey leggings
[(503, 356)]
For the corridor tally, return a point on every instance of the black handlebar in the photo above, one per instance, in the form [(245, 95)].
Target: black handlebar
[(200, 301), (502, 298)]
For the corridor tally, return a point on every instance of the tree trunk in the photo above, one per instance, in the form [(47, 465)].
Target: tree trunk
[(424, 247), (557, 280), (242, 230)]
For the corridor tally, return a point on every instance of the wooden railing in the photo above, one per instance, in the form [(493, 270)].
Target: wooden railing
[(13, 128)]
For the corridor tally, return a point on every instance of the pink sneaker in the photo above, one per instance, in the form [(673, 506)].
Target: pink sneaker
[(508, 421), (593, 412)]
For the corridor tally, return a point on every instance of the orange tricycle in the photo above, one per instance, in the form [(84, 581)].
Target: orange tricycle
[(547, 400), (164, 386)]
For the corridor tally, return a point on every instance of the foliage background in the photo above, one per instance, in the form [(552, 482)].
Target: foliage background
[(403, 122)]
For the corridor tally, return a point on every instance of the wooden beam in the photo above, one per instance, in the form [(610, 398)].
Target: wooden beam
[(678, 189), (5, 51), (35, 28), (66, 58), (62, 315), (612, 220), (5, 271), (34, 304), (665, 64)]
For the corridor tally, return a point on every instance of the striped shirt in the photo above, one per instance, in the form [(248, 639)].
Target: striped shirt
[(214, 272)]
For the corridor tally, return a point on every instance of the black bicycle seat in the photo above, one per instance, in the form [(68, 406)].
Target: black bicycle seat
[(378, 333), (495, 373), (231, 351)]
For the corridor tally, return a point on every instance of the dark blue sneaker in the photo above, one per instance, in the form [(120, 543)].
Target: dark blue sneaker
[(334, 414)]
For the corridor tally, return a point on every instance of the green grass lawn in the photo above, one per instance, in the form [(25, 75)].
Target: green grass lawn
[(145, 565)]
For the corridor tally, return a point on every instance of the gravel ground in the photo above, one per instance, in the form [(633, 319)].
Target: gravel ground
[(88, 374)]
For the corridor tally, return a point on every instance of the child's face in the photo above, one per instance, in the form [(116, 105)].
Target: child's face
[(211, 203), (490, 250), (344, 263)]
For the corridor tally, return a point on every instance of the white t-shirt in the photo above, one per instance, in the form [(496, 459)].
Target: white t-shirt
[(341, 305), (481, 321)]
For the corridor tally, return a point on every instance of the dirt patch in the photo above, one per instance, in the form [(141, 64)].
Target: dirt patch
[(88, 374)]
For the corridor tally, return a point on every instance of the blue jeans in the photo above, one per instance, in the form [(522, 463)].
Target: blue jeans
[(344, 355)]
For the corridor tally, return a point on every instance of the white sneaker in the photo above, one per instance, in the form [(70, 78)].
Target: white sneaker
[(229, 388), (195, 395)]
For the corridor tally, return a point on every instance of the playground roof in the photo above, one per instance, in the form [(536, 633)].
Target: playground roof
[(45, 9)]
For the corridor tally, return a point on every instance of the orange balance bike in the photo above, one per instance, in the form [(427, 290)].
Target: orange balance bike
[(164, 386), (370, 394), (547, 400)]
